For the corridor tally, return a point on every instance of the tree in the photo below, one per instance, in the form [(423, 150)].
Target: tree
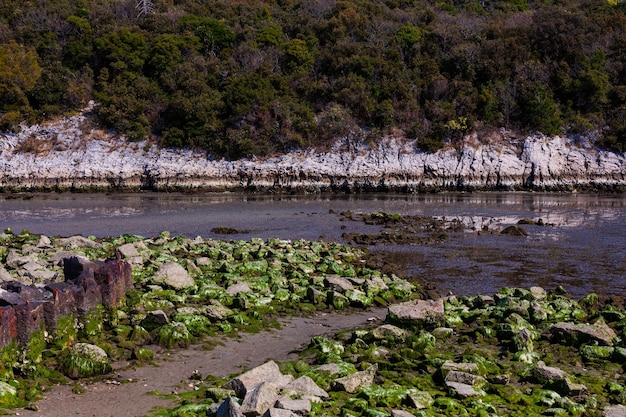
[(19, 72)]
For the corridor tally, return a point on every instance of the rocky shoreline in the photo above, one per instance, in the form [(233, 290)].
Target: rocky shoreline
[(518, 352), (71, 154)]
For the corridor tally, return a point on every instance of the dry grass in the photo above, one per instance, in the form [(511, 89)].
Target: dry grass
[(35, 145)]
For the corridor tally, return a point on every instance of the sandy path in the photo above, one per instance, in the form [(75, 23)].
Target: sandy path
[(173, 369)]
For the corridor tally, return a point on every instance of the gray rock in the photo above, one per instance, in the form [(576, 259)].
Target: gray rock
[(229, 408), (5, 275), (128, 250), (463, 390), (351, 383), (42, 275), (443, 332), (44, 242), (300, 407), (464, 378), (203, 261), (614, 411), (58, 257), (216, 312), (420, 399), (545, 374), (429, 313), (305, 386), (279, 412), (339, 284), (268, 372), (14, 259), (401, 413), (558, 380), (173, 275), (75, 242), (258, 399), (462, 366), (389, 331), (538, 293), (376, 284), (235, 289), (578, 334), (154, 319), (330, 368)]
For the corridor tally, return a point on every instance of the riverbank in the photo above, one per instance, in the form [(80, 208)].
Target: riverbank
[(192, 320), (72, 154)]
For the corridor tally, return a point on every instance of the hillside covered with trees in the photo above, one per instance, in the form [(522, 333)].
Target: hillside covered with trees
[(246, 77)]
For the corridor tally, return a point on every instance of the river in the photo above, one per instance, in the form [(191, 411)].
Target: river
[(583, 247)]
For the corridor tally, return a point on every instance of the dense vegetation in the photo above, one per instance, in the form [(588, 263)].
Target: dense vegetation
[(243, 77)]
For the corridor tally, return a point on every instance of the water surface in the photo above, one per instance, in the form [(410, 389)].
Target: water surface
[(583, 250)]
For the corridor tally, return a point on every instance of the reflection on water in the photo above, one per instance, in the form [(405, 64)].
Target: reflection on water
[(583, 250)]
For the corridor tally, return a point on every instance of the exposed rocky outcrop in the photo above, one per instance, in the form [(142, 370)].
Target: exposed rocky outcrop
[(68, 155), (25, 309)]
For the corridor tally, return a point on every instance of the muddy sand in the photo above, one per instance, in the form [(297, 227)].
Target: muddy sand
[(130, 391)]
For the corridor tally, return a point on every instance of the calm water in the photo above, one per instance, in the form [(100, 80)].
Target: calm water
[(584, 250)]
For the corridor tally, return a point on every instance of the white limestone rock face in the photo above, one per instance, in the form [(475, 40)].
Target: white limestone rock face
[(71, 157)]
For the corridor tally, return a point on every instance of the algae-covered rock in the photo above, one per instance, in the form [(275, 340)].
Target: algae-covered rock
[(389, 332), (173, 334), (85, 360), (592, 353), (143, 354), (577, 334), (218, 394), (351, 383), (8, 396)]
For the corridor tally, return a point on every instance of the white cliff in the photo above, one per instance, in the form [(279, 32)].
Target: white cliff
[(71, 153)]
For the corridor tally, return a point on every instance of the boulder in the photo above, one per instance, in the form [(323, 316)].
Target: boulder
[(75, 242), (339, 284), (258, 399), (463, 390), (545, 374), (173, 275), (304, 387), (420, 399), (578, 334), (154, 319), (229, 408), (5, 275), (85, 360), (216, 312), (235, 289), (427, 313), (301, 407), (557, 380), (353, 382), (128, 250), (389, 331), (279, 412), (614, 411), (469, 367), (268, 372), (464, 378)]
